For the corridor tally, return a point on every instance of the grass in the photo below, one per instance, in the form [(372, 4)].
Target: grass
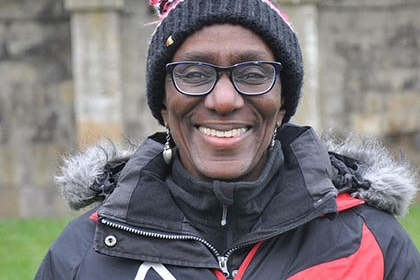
[(24, 242), (411, 223)]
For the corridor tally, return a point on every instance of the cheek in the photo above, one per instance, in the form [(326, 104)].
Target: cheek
[(277, 102), (172, 102), (178, 107), (270, 107)]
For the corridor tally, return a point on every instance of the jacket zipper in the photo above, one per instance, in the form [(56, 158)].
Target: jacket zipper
[(222, 259)]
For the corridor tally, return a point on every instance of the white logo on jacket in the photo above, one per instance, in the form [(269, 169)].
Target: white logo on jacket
[(158, 267)]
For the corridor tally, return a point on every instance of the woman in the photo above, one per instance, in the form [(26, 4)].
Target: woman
[(232, 191)]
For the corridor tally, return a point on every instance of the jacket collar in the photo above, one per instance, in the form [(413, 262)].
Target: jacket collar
[(302, 191)]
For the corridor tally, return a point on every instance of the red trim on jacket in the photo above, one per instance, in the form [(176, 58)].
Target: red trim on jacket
[(345, 201), (244, 265), (247, 261), (366, 263), (94, 217), (219, 274)]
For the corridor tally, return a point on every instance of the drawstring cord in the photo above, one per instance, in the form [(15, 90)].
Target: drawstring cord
[(223, 222)]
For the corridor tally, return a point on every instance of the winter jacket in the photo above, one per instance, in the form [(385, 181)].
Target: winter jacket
[(331, 217)]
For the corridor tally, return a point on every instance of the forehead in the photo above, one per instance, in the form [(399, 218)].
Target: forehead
[(223, 44)]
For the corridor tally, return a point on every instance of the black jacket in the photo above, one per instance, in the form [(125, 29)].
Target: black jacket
[(311, 229)]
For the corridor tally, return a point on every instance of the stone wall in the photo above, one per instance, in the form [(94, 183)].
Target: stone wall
[(369, 72), (36, 104), (138, 25), (57, 57), (110, 40)]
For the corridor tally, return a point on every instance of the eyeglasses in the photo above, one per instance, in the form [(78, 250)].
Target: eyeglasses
[(199, 78)]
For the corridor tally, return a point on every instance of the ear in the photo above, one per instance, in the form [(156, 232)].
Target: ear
[(280, 117), (281, 113), (164, 110), (164, 113)]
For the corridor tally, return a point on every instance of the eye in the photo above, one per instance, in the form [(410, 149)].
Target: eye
[(194, 74), (251, 74)]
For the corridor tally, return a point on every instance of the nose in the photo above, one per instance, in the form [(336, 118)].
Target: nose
[(224, 98)]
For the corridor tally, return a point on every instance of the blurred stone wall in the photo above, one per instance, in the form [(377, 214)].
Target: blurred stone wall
[(138, 24), (370, 69), (361, 61), (36, 104), (362, 68)]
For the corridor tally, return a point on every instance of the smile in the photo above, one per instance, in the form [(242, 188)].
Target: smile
[(223, 133)]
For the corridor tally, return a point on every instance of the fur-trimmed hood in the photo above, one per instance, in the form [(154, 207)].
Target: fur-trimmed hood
[(362, 167), (393, 181)]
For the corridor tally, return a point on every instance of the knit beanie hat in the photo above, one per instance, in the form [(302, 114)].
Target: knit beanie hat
[(180, 18)]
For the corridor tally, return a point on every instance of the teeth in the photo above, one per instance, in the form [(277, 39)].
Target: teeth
[(223, 133)]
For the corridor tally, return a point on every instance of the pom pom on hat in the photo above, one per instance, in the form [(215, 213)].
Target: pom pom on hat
[(162, 6)]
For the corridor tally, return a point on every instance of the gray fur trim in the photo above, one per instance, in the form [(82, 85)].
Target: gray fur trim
[(80, 171), (394, 181)]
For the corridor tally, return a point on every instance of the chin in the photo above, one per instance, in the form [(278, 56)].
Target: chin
[(231, 175)]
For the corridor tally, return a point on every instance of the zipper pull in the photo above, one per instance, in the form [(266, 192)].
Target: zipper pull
[(223, 265), (223, 222)]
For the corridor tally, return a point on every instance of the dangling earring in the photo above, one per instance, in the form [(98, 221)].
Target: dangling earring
[(273, 139), (167, 150)]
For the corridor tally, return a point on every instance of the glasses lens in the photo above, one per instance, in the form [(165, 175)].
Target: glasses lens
[(254, 78), (194, 78)]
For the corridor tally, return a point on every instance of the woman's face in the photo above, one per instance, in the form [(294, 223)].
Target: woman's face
[(223, 135)]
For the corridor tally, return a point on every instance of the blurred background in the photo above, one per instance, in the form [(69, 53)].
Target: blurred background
[(72, 72)]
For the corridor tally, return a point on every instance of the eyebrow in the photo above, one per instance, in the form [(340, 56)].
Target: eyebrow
[(250, 55)]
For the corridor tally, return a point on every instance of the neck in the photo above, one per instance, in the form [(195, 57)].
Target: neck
[(217, 208)]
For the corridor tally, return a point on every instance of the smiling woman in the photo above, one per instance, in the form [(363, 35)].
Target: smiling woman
[(250, 119), (231, 190)]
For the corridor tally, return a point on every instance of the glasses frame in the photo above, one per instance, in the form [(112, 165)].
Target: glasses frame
[(219, 69)]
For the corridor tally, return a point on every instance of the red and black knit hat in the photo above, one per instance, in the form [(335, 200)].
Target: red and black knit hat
[(180, 18)]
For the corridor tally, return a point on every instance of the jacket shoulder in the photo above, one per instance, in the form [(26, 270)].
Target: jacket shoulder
[(68, 250), (401, 257)]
